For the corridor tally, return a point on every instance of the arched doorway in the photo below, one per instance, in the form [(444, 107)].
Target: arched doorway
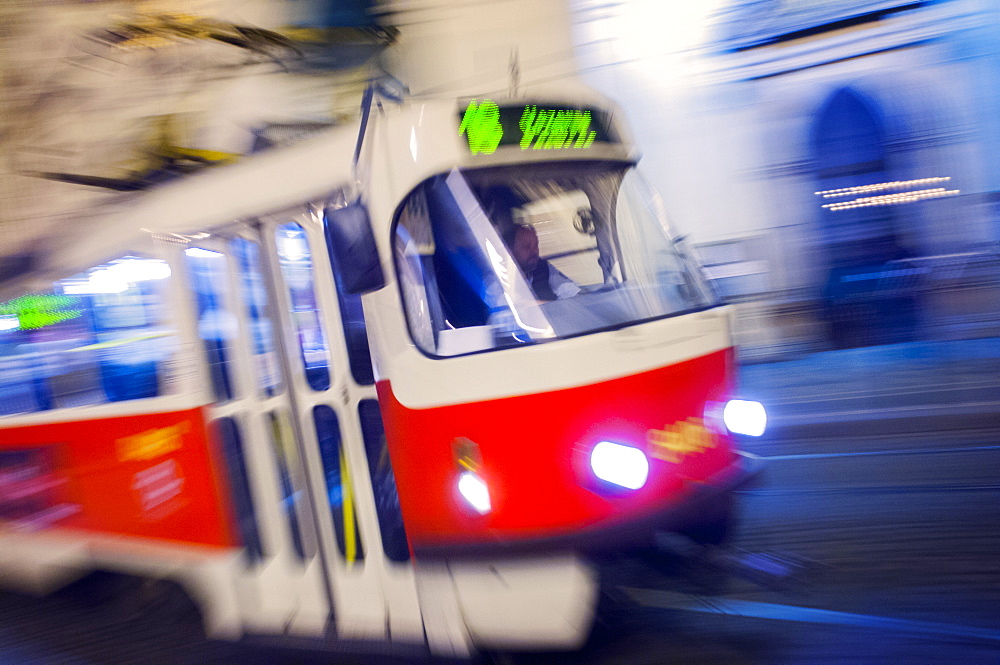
[(867, 295)]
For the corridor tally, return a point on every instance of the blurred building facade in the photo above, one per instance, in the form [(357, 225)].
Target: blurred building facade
[(836, 162), (103, 99)]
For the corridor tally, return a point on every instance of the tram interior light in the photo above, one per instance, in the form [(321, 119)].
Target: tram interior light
[(118, 276), (199, 253), (745, 417), (292, 245), (140, 270), (622, 465), (104, 281), (473, 489)]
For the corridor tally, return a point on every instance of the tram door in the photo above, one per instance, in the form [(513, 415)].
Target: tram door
[(279, 584), (369, 577)]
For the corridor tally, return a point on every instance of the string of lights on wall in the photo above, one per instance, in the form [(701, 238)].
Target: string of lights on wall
[(887, 199)]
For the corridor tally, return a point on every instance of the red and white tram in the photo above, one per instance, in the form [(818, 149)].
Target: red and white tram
[(326, 392)]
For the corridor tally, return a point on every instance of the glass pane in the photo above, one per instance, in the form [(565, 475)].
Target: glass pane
[(661, 276), (495, 257), (267, 370), (390, 518), (96, 337), (216, 325), (239, 487), (286, 457), (296, 266), (51, 358), (339, 489)]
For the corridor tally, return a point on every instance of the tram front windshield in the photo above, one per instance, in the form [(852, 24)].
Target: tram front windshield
[(503, 256)]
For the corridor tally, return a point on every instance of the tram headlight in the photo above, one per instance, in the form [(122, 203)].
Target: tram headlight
[(474, 490), (745, 417), (622, 465)]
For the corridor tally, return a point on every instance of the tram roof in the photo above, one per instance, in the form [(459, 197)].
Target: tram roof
[(257, 185)]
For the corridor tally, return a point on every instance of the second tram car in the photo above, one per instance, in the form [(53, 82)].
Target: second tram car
[(395, 384)]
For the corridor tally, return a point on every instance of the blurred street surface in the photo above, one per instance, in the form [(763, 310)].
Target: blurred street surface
[(899, 388)]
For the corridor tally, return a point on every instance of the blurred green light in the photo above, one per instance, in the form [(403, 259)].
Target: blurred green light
[(40, 311)]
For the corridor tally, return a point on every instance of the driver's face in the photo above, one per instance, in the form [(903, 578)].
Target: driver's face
[(526, 248)]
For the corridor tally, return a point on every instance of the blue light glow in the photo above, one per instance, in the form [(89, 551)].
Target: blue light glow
[(622, 465)]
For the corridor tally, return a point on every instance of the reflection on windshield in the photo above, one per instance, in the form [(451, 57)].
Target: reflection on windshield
[(490, 258)]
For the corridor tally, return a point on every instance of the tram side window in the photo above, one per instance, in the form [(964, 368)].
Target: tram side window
[(216, 324), (390, 517), (295, 259), (228, 433), (287, 459), (339, 488), (254, 295), (93, 338)]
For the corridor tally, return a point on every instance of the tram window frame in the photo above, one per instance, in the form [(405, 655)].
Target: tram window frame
[(317, 376), (330, 444), (83, 351)]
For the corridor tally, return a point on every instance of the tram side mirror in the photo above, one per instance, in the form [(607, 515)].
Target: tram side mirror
[(351, 242)]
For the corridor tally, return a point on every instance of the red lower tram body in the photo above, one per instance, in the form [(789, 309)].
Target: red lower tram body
[(534, 454), (154, 476)]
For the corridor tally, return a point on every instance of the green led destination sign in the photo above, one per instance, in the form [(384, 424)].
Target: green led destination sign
[(488, 126), (39, 311)]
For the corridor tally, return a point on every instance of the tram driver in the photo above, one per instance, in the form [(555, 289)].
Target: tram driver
[(547, 282)]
